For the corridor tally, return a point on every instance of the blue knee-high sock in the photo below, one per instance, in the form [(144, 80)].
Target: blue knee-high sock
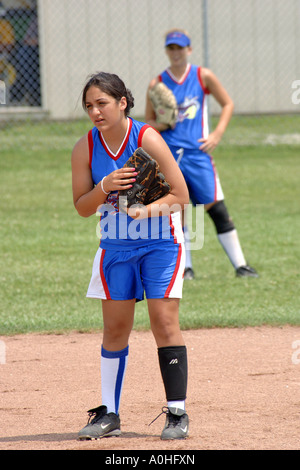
[(113, 368)]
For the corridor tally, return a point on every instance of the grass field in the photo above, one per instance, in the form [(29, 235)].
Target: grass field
[(47, 249)]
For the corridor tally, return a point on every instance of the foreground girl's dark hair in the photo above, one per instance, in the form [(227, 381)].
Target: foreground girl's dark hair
[(110, 84)]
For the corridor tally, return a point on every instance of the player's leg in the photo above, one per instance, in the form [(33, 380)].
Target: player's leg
[(205, 188), (172, 355), (118, 321), (162, 271), (229, 239), (164, 320), (113, 281)]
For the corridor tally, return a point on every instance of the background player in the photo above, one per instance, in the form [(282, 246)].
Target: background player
[(191, 143), (126, 266)]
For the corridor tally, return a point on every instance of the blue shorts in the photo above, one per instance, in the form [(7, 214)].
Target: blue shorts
[(200, 174), (156, 270)]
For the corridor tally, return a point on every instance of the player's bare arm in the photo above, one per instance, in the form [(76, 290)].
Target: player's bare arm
[(212, 83), (87, 197)]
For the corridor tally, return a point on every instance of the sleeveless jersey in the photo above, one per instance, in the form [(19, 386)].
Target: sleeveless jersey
[(118, 229), (191, 96)]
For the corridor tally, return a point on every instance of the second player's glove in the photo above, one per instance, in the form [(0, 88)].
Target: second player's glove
[(164, 104)]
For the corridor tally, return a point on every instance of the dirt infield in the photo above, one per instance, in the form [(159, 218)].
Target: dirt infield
[(243, 391)]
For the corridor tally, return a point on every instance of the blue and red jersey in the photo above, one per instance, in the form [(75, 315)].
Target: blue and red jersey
[(118, 229), (191, 97)]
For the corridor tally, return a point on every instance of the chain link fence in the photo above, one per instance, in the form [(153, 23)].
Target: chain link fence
[(19, 53), (48, 47)]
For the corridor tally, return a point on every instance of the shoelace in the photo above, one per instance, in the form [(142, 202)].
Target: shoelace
[(164, 410), (93, 416)]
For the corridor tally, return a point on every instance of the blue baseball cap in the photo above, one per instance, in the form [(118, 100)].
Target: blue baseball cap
[(178, 38)]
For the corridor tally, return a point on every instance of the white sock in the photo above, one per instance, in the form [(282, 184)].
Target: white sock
[(188, 256), (113, 368), (230, 243), (177, 404)]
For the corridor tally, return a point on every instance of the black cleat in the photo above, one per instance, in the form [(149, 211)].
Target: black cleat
[(177, 425), (246, 271), (100, 424), (188, 274)]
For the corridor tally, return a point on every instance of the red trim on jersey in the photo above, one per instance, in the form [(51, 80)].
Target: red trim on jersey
[(202, 114), (206, 91), (91, 147), (121, 150), (141, 133), (175, 272), (183, 78), (105, 286), (172, 229)]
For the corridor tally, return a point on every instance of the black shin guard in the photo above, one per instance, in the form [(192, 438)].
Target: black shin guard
[(220, 217), (173, 366)]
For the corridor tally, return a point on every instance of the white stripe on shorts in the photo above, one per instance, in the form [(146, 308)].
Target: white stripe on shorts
[(219, 190), (174, 290), (97, 289)]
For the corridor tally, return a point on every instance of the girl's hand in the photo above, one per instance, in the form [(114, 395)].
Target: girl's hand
[(120, 179), (209, 143)]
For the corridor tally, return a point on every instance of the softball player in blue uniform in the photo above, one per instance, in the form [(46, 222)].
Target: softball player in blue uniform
[(191, 143), (139, 252)]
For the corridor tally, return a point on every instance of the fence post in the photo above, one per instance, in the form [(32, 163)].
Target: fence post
[(206, 49), (2, 92)]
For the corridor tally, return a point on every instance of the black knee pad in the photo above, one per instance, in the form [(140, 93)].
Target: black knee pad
[(220, 217), (173, 366)]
